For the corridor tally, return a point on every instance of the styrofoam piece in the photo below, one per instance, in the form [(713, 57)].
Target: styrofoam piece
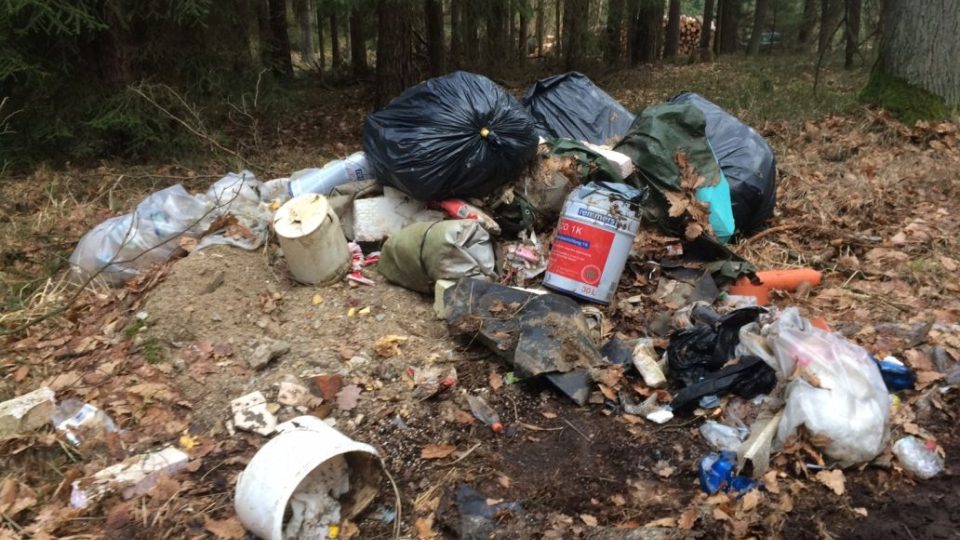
[(621, 161), (312, 241), (133, 476), (26, 413), (376, 218), (275, 473), (250, 413)]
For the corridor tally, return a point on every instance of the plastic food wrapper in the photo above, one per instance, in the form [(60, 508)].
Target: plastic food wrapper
[(835, 389), (721, 436), (456, 136), (123, 245), (570, 106), (918, 457), (422, 253), (79, 421), (746, 160)]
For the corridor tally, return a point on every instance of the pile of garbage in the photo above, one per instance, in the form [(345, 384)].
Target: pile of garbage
[(521, 218)]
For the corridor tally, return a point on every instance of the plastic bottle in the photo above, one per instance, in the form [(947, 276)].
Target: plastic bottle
[(353, 168), (76, 419), (918, 457), (896, 375), (485, 413), (720, 436), (717, 472)]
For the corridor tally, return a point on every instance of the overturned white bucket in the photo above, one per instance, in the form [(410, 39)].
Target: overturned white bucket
[(312, 241), (278, 469)]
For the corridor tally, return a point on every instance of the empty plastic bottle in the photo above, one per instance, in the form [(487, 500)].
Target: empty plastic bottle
[(353, 168), (485, 413), (918, 457)]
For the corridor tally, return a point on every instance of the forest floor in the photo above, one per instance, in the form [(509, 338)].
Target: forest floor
[(865, 199)]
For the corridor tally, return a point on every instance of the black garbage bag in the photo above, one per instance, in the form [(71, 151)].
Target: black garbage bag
[(570, 106), (694, 353), (459, 135), (748, 378), (746, 159)]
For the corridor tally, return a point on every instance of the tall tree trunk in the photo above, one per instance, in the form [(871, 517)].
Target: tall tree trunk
[(633, 30), (262, 8), (706, 33), (541, 24), (831, 13), (615, 12), (809, 21), (524, 34), (301, 9), (336, 60), (557, 18), (852, 33), (759, 20), (394, 50), (920, 45), (497, 31), (576, 15), (456, 46), (470, 32), (433, 19), (279, 47), (358, 41), (729, 13), (320, 44), (649, 24), (672, 43)]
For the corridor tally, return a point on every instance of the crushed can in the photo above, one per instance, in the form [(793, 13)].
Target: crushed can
[(593, 239)]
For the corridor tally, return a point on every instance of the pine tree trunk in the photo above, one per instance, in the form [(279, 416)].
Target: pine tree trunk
[(576, 15), (541, 25), (279, 48), (301, 9), (358, 42), (831, 13), (433, 20), (853, 9), (523, 35), (759, 20), (336, 60), (394, 50), (498, 31), (706, 33), (672, 43), (804, 36), (633, 30), (320, 44), (649, 23), (558, 17), (727, 26), (615, 19), (456, 46), (470, 32), (920, 45)]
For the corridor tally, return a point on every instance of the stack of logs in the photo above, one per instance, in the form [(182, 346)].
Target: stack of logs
[(689, 34)]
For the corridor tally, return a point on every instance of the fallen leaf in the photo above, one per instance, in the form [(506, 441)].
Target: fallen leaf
[(347, 397), (328, 385), (461, 416), (688, 519), (188, 243), (15, 497), (589, 520), (548, 414), (504, 481), (607, 392), (229, 528), (662, 522), (720, 515), (861, 511), (316, 300), (770, 482), (389, 346), (21, 374), (618, 500), (833, 479), (424, 527), (924, 378), (437, 451), (693, 230), (187, 441), (750, 500), (496, 381), (664, 469), (948, 264)]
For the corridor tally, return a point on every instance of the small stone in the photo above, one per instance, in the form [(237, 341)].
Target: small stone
[(263, 322), (179, 364), (142, 315), (380, 317), (215, 317), (266, 351), (359, 361), (26, 413)]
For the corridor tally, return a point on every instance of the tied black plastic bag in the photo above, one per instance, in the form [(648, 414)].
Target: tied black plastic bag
[(570, 106), (459, 135), (746, 159)]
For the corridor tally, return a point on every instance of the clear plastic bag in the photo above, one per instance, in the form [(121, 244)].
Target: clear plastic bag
[(918, 457), (124, 245), (238, 195), (835, 389)]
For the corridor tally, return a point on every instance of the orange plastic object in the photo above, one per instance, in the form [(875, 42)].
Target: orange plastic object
[(786, 280), (821, 323)]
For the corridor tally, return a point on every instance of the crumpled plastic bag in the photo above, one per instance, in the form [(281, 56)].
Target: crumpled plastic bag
[(835, 389), (238, 195), (422, 253), (123, 245)]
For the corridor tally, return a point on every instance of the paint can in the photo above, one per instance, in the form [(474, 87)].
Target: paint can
[(593, 240), (312, 241)]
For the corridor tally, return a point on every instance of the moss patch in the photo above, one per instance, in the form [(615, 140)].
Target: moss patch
[(908, 102)]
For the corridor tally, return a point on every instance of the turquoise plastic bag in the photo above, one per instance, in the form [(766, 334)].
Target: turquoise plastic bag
[(721, 208)]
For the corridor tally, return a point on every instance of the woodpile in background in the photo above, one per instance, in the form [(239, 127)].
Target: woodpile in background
[(689, 34)]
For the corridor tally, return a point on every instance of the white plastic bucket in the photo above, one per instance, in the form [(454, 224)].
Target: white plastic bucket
[(277, 469), (592, 243), (313, 243)]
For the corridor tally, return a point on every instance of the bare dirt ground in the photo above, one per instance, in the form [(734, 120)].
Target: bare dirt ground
[(866, 200)]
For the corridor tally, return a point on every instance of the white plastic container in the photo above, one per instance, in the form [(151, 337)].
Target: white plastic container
[(280, 466), (592, 242), (313, 243), (353, 168)]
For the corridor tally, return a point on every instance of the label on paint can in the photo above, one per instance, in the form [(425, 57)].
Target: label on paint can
[(591, 243)]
